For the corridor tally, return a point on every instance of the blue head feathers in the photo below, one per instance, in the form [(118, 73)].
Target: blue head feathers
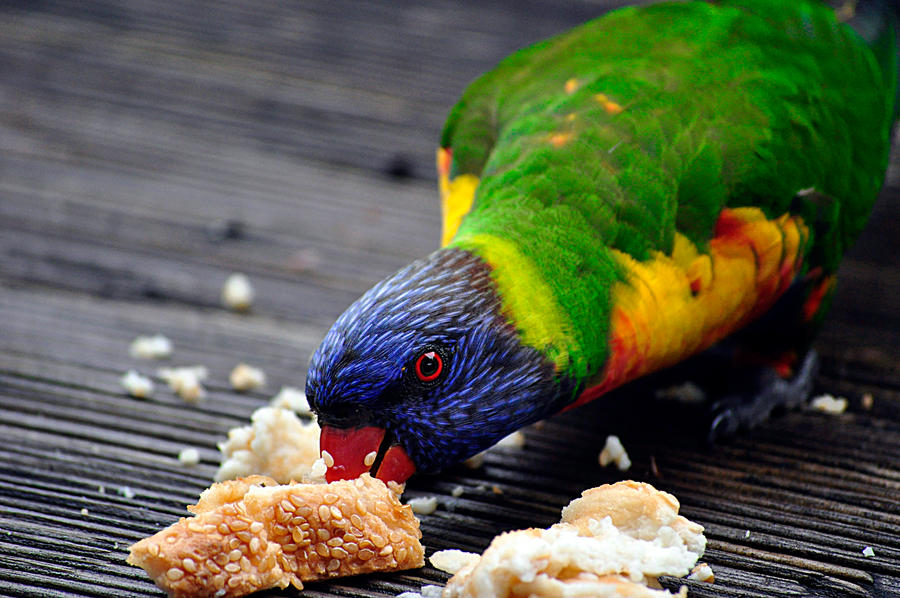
[(427, 355)]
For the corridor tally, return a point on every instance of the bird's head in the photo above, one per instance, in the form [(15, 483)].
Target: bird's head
[(424, 371)]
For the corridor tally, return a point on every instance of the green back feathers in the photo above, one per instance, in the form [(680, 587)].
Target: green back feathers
[(649, 121)]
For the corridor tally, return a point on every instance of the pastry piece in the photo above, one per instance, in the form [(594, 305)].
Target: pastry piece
[(612, 541), (252, 534)]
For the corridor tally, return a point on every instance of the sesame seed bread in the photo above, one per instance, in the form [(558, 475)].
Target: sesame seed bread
[(252, 534)]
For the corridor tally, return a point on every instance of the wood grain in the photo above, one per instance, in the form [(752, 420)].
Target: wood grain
[(150, 148)]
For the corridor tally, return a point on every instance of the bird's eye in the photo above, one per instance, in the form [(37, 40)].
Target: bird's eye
[(429, 366)]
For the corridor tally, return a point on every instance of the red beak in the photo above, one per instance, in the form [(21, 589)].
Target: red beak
[(356, 450)]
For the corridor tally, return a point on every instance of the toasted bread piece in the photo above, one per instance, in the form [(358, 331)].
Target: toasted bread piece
[(252, 534)]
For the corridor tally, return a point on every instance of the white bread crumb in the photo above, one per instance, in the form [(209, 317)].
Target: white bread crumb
[(150, 347), (425, 505), (451, 561), (276, 444), (614, 452), (702, 572), (137, 385), (610, 541), (189, 456), (514, 440), (246, 377), (868, 551), (84, 511), (457, 491), (186, 381), (829, 404), (431, 591), (237, 292), (291, 398)]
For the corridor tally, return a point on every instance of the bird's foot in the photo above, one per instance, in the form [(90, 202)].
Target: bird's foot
[(766, 389)]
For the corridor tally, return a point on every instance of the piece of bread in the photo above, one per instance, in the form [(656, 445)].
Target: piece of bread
[(613, 541), (252, 534)]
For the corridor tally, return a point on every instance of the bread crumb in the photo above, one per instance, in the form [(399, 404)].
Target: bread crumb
[(424, 505), (868, 551), (867, 401), (457, 491), (431, 591), (137, 385), (126, 492), (829, 404), (150, 347), (189, 456), (702, 572), (276, 443), (408, 595), (475, 461), (186, 381), (451, 561), (747, 534), (246, 377), (614, 452), (688, 392), (250, 534), (514, 440), (238, 293), (610, 542), (291, 398), (84, 511)]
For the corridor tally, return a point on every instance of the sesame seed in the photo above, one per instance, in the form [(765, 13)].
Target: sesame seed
[(386, 550), (324, 513), (336, 513), (335, 542), (233, 543), (356, 520), (256, 527), (334, 565), (244, 536), (378, 541), (351, 547), (189, 565), (329, 460), (232, 567), (297, 535), (365, 554), (339, 553), (254, 546), (245, 564), (212, 567), (322, 549), (223, 529), (174, 574), (330, 498), (153, 549), (370, 459), (287, 506), (290, 547), (323, 534)]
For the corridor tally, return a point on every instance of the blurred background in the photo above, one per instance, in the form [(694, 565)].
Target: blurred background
[(148, 149)]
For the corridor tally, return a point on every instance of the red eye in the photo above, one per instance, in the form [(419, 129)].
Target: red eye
[(429, 366)]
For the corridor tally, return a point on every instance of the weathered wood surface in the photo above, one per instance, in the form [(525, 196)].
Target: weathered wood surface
[(147, 149)]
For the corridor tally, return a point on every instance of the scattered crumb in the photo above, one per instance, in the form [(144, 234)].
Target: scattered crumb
[(747, 534), (457, 491), (101, 489), (237, 293), (189, 456), (318, 470), (688, 392), (126, 492), (291, 398), (409, 595), (867, 401), (451, 561), (431, 591), (702, 572), (612, 541), (514, 440), (276, 443), (245, 377), (496, 489), (150, 347), (829, 404), (186, 381), (614, 452), (475, 461), (424, 505), (137, 385), (84, 511), (868, 551), (251, 534)]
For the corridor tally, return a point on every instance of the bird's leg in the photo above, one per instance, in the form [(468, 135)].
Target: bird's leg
[(760, 389)]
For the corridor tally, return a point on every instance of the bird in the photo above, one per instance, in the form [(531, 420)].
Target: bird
[(660, 182)]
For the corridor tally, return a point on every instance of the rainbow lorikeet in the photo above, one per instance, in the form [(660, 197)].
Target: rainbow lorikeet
[(617, 199)]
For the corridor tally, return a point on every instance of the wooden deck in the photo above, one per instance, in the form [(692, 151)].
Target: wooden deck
[(150, 148)]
